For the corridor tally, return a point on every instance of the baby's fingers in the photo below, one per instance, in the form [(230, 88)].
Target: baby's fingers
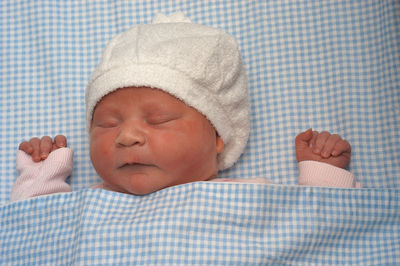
[(319, 141), (35, 145), (329, 146), (46, 144), (60, 141), (342, 146), (40, 149), (26, 147)]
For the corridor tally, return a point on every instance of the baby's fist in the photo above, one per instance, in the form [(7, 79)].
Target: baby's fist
[(323, 147), (40, 149)]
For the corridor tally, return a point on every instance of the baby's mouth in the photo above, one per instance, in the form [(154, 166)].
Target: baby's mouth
[(133, 166)]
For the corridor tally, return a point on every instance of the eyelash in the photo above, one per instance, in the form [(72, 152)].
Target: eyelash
[(152, 120), (159, 121), (107, 124)]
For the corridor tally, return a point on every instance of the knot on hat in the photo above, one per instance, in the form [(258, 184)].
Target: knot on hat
[(172, 18)]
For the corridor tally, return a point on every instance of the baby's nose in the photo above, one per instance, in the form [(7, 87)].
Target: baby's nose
[(130, 135)]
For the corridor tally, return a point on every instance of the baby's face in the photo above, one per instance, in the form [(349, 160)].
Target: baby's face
[(143, 140)]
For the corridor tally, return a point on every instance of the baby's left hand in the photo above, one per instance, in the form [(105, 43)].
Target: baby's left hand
[(323, 147)]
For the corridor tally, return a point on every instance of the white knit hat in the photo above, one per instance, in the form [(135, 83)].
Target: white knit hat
[(197, 64)]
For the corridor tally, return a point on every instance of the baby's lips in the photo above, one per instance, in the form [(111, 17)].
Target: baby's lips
[(132, 163), (131, 156)]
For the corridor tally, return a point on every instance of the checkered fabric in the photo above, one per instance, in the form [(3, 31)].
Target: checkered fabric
[(205, 224), (330, 65)]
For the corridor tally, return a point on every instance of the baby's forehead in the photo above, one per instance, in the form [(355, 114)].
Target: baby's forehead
[(143, 96), (144, 93)]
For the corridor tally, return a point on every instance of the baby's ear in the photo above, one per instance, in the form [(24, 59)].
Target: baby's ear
[(220, 144)]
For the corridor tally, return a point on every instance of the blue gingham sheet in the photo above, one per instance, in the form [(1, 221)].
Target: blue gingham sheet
[(205, 224), (330, 65)]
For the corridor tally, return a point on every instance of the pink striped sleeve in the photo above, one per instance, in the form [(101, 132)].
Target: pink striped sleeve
[(313, 173), (44, 177)]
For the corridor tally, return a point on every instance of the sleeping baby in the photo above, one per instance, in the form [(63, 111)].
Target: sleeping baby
[(168, 105)]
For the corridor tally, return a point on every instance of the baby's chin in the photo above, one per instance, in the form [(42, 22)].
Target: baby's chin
[(137, 188), (141, 191), (142, 184)]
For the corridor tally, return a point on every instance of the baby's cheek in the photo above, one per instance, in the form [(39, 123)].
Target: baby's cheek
[(171, 147), (100, 148), (171, 142), (98, 155)]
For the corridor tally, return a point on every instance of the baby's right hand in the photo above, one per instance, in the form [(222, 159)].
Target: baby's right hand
[(40, 149), (323, 147)]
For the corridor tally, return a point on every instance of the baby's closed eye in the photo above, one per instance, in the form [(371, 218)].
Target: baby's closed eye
[(158, 119), (106, 122)]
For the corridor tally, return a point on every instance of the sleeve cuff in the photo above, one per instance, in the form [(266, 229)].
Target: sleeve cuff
[(313, 173)]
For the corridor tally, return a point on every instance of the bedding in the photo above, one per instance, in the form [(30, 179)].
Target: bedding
[(329, 65), (205, 224)]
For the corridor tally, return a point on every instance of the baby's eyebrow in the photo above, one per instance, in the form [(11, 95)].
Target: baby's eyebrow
[(155, 108), (105, 111)]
